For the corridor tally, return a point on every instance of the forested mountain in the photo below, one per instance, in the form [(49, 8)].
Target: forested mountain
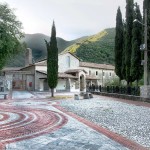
[(98, 48)]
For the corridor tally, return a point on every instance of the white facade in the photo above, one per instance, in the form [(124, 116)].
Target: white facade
[(73, 75), (67, 61)]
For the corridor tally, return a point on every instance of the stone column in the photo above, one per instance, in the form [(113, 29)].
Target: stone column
[(145, 91)]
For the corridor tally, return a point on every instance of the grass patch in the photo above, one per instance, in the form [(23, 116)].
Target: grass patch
[(59, 97)]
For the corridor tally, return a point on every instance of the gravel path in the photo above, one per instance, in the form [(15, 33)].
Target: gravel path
[(127, 120)]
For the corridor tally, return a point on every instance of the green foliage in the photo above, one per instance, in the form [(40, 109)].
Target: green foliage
[(128, 39), (98, 48), (52, 60), (146, 5), (136, 68), (10, 34), (119, 44), (39, 50), (113, 82)]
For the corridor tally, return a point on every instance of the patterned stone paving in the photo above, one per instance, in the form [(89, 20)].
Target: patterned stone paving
[(19, 123), (41, 124)]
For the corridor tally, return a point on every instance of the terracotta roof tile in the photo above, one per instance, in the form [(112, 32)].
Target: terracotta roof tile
[(94, 65), (75, 70), (60, 75)]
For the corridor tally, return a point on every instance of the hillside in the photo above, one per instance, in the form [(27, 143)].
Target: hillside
[(37, 44), (98, 48)]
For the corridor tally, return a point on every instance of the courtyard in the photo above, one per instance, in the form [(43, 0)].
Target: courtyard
[(35, 121)]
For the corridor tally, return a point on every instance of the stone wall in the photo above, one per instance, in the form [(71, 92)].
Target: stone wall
[(5, 83), (145, 91)]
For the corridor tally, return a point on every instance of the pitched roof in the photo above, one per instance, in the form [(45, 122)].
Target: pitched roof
[(64, 75), (75, 70), (60, 75), (11, 68), (43, 62), (94, 65), (70, 54)]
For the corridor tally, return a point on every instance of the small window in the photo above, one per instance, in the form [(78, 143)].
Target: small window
[(96, 73), (68, 61), (110, 74)]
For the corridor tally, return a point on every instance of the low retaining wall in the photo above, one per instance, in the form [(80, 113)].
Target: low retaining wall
[(123, 96)]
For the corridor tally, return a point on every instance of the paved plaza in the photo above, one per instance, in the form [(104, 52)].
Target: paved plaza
[(34, 121)]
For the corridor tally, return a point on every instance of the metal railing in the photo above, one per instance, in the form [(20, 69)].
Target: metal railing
[(115, 89)]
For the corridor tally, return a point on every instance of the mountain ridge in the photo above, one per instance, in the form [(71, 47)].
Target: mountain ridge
[(86, 46)]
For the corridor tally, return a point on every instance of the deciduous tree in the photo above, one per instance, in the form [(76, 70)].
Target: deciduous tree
[(10, 34)]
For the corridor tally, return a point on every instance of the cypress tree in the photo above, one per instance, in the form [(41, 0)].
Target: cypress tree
[(136, 71), (123, 69), (128, 42), (52, 61), (146, 5), (119, 44)]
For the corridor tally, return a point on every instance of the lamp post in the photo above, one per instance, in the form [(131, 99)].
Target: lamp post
[(145, 90), (145, 51), (144, 47)]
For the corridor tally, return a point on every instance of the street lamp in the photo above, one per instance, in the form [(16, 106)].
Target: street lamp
[(145, 90), (145, 51)]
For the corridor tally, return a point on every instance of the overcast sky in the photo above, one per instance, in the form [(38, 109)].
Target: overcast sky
[(73, 18)]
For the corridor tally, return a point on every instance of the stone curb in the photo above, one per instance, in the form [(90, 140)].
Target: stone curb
[(122, 140)]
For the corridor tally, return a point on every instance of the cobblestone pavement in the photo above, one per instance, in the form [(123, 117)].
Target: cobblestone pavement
[(41, 124), (127, 118)]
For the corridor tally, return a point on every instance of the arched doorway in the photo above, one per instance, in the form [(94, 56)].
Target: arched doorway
[(82, 83)]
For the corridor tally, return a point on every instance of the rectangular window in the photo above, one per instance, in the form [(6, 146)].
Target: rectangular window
[(96, 73), (110, 74), (68, 61)]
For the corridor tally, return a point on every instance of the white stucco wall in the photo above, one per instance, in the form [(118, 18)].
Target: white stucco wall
[(41, 68), (61, 84), (62, 62), (102, 78)]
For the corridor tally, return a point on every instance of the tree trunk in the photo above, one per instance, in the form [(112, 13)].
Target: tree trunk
[(52, 92)]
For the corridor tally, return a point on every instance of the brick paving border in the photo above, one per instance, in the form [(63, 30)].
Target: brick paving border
[(120, 139)]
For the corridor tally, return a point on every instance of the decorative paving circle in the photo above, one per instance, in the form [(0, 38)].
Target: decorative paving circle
[(18, 123)]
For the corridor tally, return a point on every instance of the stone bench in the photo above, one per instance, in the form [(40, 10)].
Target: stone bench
[(84, 95), (5, 95), (76, 96)]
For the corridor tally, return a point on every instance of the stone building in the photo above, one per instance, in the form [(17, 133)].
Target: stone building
[(74, 75)]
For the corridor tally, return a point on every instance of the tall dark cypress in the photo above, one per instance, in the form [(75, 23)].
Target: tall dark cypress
[(123, 69), (136, 71), (128, 42), (146, 5), (52, 61), (119, 44)]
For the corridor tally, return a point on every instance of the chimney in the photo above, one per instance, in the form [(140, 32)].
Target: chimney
[(28, 57)]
